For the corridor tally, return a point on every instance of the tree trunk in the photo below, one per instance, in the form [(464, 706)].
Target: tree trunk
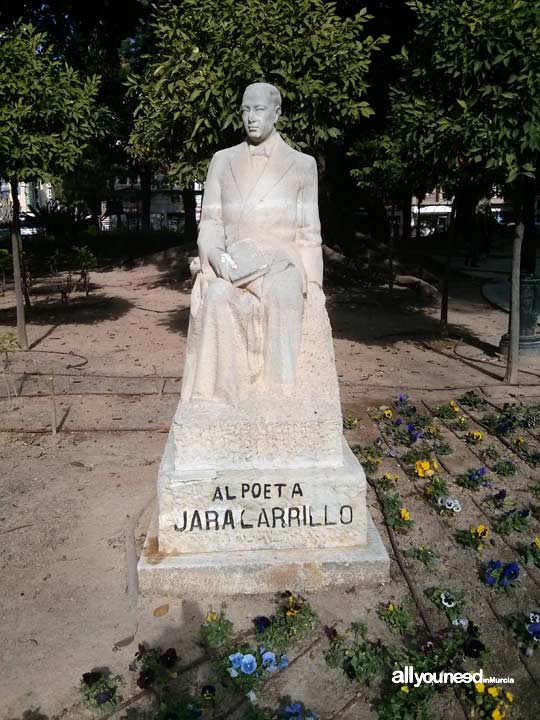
[(16, 250), (391, 251), (190, 207), (446, 275), (512, 365), (146, 197), (406, 230), (24, 280)]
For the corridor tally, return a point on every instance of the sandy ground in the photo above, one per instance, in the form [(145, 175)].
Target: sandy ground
[(70, 507)]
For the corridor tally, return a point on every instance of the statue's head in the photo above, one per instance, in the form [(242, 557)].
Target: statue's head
[(261, 108)]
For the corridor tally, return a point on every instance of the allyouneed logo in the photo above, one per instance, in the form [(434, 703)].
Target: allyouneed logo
[(409, 677)]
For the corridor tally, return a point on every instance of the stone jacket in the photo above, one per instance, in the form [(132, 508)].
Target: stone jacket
[(277, 208)]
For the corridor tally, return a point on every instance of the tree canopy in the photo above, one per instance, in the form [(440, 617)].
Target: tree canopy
[(470, 91), (47, 111), (207, 51)]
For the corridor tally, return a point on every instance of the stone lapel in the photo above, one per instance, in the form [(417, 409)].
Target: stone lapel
[(277, 166)]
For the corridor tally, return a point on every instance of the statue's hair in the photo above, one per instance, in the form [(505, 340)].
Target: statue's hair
[(275, 95)]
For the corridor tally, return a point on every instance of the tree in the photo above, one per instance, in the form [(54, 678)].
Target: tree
[(207, 51), (95, 38), (470, 96), (47, 116)]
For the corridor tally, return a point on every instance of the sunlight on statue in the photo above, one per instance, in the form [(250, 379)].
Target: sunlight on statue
[(260, 255)]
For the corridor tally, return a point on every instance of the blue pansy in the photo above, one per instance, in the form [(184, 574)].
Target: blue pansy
[(511, 571), (283, 662), (490, 580), (292, 710), (236, 660), (533, 628), (403, 398), (232, 672), (248, 665), (398, 421), (493, 565), (268, 658)]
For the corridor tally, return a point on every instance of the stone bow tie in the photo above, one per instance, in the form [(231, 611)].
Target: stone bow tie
[(259, 151)]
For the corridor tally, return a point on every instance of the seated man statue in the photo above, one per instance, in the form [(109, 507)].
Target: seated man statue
[(260, 251)]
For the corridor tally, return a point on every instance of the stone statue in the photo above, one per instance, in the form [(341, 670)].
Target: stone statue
[(260, 251), (257, 488)]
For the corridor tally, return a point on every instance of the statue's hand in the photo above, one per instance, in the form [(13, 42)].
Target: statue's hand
[(221, 262)]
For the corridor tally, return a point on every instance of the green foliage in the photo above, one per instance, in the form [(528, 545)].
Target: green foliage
[(451, 603), (517, 520), (395, 616), (217, 631), (156, 668), (472, 400), (60, 220), (506, 468), (8, 343), (178, 707), (207, 51), (47, 113), (424, 555), (530, 554), (99, 690), (370, 455), (535, 489), (489, 453), (469, 95), (294, 621), (360, 658), (350, 422), (397, 516)]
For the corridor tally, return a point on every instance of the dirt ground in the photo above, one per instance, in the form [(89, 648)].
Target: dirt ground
[(74, 509)]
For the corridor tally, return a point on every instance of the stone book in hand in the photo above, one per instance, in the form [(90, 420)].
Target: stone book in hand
[(251, 263)]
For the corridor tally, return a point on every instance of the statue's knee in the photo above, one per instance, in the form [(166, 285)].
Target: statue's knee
[(219, 291)]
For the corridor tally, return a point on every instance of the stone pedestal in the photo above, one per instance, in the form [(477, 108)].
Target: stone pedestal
[(264, 495)]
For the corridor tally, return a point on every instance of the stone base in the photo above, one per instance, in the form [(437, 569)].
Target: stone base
[(261, 571), (238, 510), (528, 344)]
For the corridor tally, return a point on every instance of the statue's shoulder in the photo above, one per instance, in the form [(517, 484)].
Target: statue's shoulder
[(306, 161), (227, 153)]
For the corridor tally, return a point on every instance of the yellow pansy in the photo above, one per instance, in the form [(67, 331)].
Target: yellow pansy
[(493, 691), (404, 688), (520, 441), (211, 616), (405, 514), (537, 542), (497, 714), (388, 413), (509, 696), (391, 606), (480, 687), (435, 465), (453, 406), (482, 531), (422, 467)]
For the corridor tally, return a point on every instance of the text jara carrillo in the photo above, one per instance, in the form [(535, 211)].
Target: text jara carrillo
[(283, 515)]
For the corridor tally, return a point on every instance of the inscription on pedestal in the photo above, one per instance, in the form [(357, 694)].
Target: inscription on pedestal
[(284, 515)]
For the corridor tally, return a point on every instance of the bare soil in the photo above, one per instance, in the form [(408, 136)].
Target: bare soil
[(74, 508)]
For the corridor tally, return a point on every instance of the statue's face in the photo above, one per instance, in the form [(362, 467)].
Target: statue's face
[(259, 113)]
